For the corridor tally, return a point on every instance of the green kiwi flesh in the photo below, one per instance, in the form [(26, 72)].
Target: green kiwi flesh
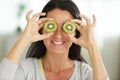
[(69, 27), (50, 26)]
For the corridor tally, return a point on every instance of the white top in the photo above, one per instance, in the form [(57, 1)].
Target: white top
[(29, 69)]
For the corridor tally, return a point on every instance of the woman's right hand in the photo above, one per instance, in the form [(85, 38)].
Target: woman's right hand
[(31, 32)]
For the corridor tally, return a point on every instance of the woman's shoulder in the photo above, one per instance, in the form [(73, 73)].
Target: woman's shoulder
[(29, 62), (85, 67), (82, 64), (82, 71)]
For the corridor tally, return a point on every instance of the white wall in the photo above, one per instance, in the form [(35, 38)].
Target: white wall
[(106, 32), (111, 40)]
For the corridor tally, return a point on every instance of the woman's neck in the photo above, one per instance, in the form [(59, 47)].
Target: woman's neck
[(57, 63)]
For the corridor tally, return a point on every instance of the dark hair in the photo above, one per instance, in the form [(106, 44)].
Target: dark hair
[(38, 49)]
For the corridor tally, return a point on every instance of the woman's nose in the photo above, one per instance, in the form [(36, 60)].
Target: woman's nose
[(58, 33)]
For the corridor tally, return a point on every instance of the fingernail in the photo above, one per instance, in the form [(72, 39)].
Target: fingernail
[(43, 13), (72, 20), (31, 10), (51, 18)]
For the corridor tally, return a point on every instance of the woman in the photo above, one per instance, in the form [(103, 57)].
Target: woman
[(55, 55)]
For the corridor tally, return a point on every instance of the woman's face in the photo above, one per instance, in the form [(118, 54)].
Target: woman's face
[(59, 42)]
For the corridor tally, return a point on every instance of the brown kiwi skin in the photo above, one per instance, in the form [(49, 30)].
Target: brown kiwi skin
[(48, 23), (72, 26)]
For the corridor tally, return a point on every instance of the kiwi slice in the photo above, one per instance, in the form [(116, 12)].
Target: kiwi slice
[(50, 26), (69, 27)]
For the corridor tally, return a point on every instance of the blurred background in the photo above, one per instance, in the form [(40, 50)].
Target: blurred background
[(107, 30)]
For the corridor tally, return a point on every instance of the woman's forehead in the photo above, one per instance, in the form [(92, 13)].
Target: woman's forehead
[(60, 15)]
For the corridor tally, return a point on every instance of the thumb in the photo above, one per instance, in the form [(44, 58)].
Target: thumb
[(73, 39), (44, 36)]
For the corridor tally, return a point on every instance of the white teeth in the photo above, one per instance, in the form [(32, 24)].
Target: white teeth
[(58, 43)]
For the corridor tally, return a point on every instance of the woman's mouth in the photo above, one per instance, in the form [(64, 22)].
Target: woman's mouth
[(58, 42)]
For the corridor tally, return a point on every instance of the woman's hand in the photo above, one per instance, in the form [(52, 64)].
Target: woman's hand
[(87, 40), (86, 31), (31, 32)]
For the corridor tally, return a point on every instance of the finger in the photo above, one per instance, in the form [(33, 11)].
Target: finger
[(86, 19), (79, 28), (41, 25), (35, 16), (73, 39), (94, 21), (44, 36), (41, 28), (79, 22), (28, 15), (42, 20)]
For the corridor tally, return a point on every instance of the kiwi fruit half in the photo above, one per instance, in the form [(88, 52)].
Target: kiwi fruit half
[(69, 27), (50, 26)]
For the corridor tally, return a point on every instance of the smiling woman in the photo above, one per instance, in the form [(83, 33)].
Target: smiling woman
[(55, 55)]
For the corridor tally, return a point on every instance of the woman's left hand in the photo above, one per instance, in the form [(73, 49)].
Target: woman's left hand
[(86, 31)]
